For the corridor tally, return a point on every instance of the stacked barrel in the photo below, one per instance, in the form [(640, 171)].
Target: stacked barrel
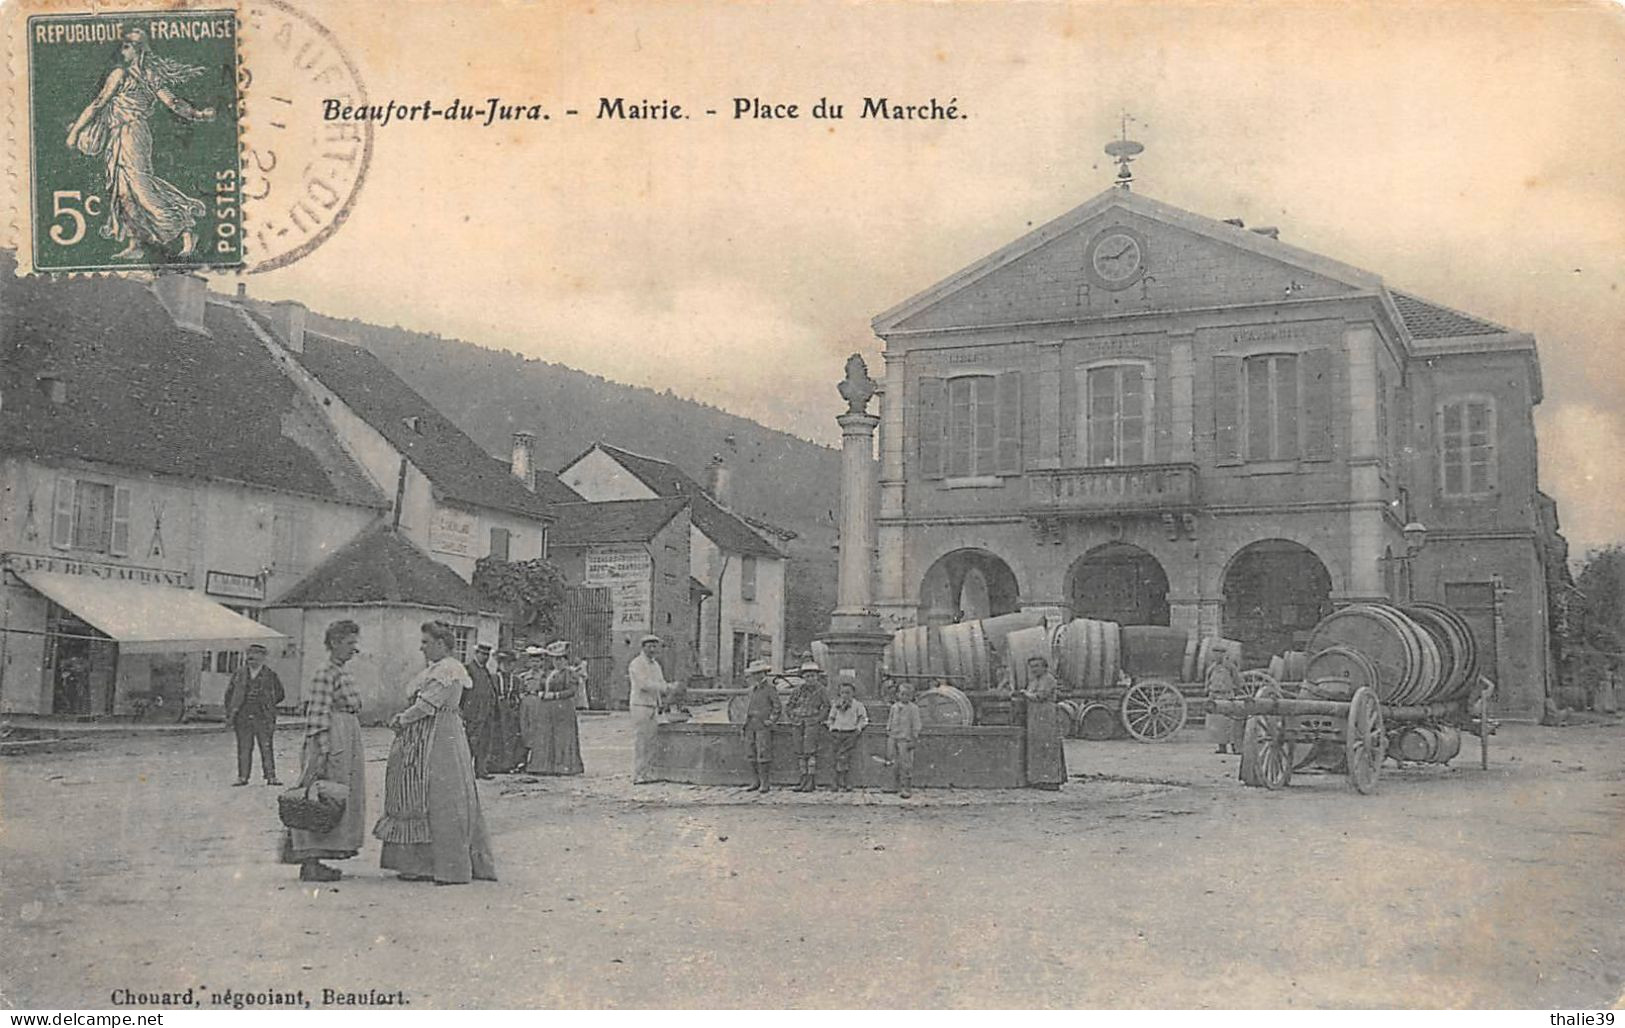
[(1419, 654)]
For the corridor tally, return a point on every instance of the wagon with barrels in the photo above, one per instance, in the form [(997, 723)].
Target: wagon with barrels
[(1138, 681), (1374, 682)]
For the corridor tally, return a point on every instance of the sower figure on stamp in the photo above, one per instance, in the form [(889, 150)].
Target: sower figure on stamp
[(142, 209), (848, 717), (479, 706), (762, 710), (251, 701), (808, 708)]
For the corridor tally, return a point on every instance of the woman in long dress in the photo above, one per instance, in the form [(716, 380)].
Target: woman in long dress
[(432, 826), (333, 758), (548, 717), (142, 208), (1046, 759)]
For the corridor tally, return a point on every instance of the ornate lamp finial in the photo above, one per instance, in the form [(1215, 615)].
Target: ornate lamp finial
[(1124, 150)]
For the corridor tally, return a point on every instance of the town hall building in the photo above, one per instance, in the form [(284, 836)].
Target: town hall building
[(1150, 416)]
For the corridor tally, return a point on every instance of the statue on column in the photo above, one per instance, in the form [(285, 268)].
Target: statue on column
[(857, 388)]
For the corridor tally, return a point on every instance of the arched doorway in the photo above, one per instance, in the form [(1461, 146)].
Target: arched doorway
[(1119, 582), (968, 584), (1275, 591)]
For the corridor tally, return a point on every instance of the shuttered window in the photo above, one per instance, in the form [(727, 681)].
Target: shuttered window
[(747, 578), (1117, 415), (970, 426), (1273, 407), (289, 539), (91, 516), (500, 540), (1467, 445)]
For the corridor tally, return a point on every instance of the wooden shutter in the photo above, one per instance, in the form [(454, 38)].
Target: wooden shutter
[(1317, 404), (1227, 409), (62, 515), (1009, 420), (933, 426), (119, 543), (499, 543)]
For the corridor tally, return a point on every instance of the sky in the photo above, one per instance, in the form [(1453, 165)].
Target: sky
[(1466, 152)]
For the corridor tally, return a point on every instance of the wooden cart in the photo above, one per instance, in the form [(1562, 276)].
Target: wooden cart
[(1361, 728)]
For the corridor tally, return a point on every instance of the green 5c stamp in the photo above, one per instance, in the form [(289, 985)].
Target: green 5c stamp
[(134, 155)]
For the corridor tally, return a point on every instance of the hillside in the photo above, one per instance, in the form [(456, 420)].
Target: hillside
[(491, 394)]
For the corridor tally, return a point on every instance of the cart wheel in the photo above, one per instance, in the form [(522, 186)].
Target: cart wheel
[(1366, 743), (1153, 710), (1268, 689), (1257, 679), (1265, 747)]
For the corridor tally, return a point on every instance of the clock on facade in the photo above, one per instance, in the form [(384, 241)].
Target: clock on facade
[(1116, 257)]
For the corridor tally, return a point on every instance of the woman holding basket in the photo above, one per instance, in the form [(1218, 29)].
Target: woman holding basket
[(333, 762)]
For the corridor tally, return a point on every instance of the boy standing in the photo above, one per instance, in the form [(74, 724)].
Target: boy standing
[(761, 711), (809, 708), (902, 732), (847, 720)]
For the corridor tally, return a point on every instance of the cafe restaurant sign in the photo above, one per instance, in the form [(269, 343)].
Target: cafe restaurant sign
[(241, 587), (19, 563)]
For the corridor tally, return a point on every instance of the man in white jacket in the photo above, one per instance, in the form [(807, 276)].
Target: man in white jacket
[(648, 687)]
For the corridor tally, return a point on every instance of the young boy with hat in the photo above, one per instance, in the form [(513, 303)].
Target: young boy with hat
[(808, 708), (761, 710)]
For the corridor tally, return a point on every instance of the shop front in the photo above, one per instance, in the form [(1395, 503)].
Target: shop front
[(83, 638)]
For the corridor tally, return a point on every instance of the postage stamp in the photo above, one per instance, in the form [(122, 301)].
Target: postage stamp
[(134, 143)]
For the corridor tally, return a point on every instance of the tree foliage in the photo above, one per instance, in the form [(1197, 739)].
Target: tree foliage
[(530, 592), (1601, 605)]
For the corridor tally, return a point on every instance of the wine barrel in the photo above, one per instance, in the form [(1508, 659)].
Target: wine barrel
[(1391, 641), (1087, 654), (1294, 664), (915, 652), (1022, 645), (1458, 650), (1449, 744), (997, 629), (966, 655), (945, 705), (736, 709), (820, 654), (1204, 658), (1154, 651), (1098, 722), (1277, 668), (1188, 671), (1431, 744), (1335, 672)]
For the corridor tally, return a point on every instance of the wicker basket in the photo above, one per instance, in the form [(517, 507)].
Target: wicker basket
[(309, 811)]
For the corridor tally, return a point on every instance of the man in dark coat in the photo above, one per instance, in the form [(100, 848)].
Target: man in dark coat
[(479, 707), (251, 701)]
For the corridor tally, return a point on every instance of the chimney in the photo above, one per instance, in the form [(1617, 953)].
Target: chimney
[(242, 290), (288, 318), (717, 479), (1236, 222), (524, 459), (183, 295)]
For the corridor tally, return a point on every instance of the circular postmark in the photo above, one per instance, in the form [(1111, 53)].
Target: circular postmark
[(300, 173)]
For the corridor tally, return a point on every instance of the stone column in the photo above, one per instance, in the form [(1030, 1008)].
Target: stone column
[(855, 639), (854, 588)]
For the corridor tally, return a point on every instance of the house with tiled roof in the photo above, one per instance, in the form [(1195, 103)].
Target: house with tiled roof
[(638, 553), (1145, 415), (450, 497), (161, 482), (742, 617), (388, 585)]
